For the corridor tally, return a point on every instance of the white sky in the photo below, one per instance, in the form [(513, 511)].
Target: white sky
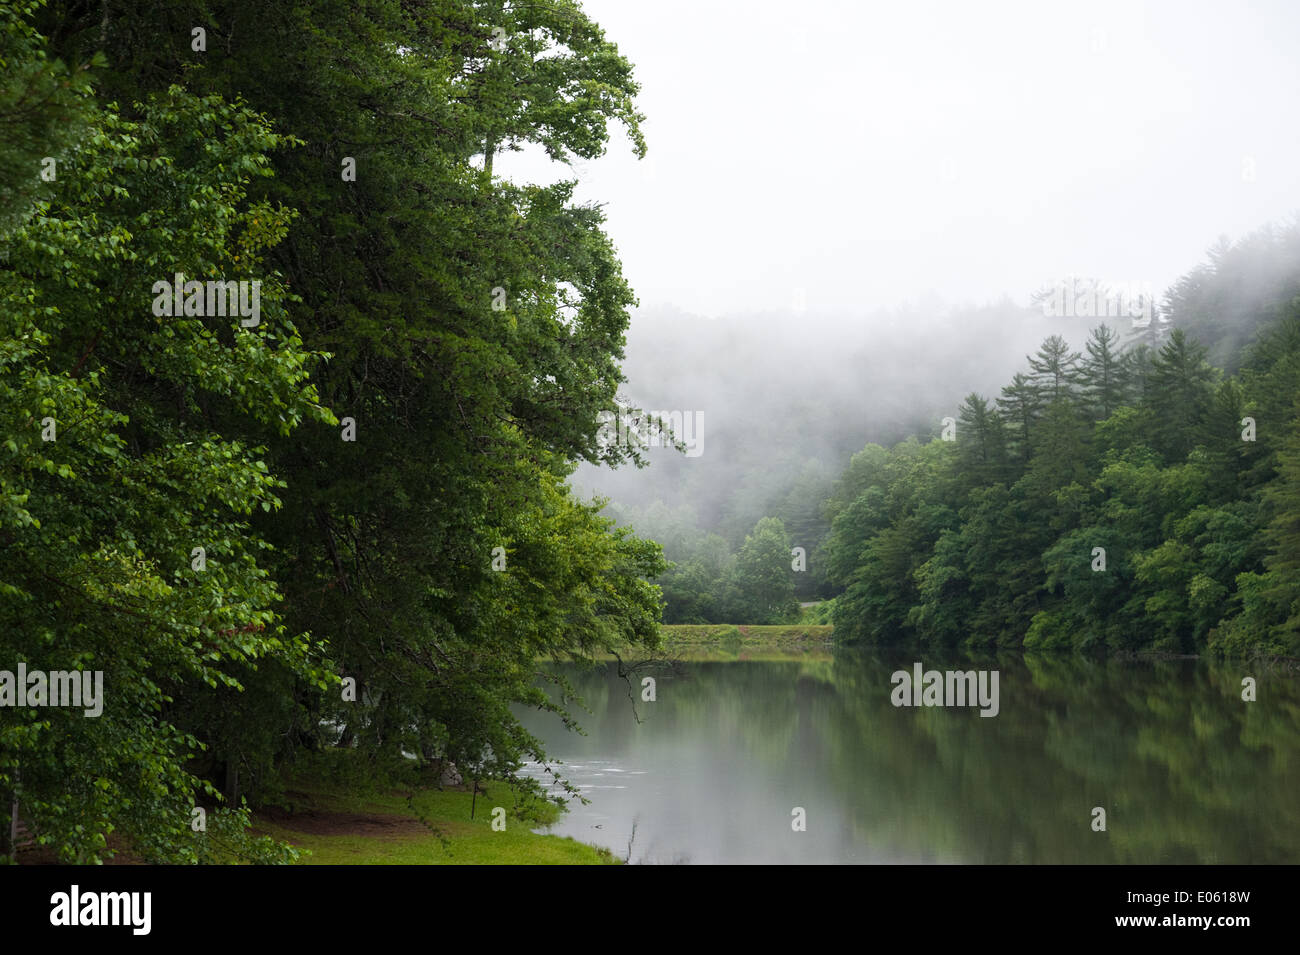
[(865, 154)]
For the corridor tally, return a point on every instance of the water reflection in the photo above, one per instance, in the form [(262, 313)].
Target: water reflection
[(1186, 770)]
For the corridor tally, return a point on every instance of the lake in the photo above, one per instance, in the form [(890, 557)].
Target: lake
[(720, 762)]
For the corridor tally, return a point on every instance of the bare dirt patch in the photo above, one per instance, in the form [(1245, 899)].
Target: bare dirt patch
[(46, 855)]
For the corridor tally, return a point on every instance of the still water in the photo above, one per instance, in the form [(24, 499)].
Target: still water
[(1186, 771)]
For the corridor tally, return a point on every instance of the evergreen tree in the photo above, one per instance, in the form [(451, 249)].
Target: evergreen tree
[(1021, 406), (1102, 373), (981, 442), (1055, 369), (1181, 394)]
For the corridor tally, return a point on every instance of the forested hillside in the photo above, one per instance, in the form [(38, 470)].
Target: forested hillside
[(1116, 433), (783, 401), (1133, 498)]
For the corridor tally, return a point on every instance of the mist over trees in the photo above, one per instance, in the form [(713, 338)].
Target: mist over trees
[(356, 518), (978, 540), (1130, 502), (785, 400)]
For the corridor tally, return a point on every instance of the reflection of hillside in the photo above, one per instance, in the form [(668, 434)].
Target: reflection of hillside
[(754, 704), (1185, 769), (1162, 747)]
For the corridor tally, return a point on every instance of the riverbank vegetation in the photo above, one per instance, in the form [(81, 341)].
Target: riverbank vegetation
[(433, 828), (357, 822), (330, 511), (683, 640), (294, 386)]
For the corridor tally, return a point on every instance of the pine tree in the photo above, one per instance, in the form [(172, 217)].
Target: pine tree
[(1135, 373), (1181, 395), (981, 442), (1101, 373), (1055, 369), (1021, 407), (1154, 331)]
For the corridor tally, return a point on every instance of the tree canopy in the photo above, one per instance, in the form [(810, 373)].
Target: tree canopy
[(343, 520)]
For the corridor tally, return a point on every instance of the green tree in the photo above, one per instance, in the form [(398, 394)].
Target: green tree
[(475, 329), (1021, 406), (1101, 372), (981, 442), (1181, 395), (131, 439), (45, 108), (1269, 600), (1055, 369), (762, 575)]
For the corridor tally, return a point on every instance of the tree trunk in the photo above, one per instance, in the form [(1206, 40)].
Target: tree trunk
[(9, 830), (231, 790)]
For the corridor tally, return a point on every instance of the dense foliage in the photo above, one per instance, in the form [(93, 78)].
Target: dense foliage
[(989, 539), (709, 584), (1127, 498), (345, 520), (238, 521)]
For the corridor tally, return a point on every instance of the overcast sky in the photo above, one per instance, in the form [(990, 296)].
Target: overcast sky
[(865, 154)]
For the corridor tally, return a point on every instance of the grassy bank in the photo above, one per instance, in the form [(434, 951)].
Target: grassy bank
[(744, 642), (427, 827)]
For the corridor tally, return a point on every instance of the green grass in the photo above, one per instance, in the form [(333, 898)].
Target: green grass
[(340, 819), (750, 631), (381, 828), (745, 642)]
